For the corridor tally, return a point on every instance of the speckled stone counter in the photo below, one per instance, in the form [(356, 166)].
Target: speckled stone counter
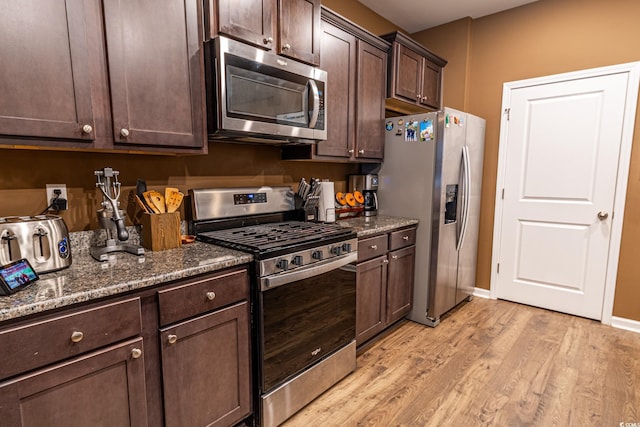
[(368, 226), (88, 279)]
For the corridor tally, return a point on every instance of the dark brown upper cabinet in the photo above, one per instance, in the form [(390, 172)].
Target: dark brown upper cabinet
[(44, 77), (155, 63), (415, 76), (290, 28), (103, 75), (356, 65)]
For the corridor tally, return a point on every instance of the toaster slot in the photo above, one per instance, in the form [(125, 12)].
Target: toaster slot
[(9, 247), (41, 244)]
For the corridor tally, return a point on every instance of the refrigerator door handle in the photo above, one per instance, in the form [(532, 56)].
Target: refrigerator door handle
[(466, 182)]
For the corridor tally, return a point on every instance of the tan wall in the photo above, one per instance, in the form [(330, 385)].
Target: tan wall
[(542, 38), (361, 15), (25, 173)]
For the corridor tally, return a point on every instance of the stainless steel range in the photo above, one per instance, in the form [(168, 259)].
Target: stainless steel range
[(303, 291)]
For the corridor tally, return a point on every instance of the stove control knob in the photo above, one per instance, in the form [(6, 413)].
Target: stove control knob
[(336, 250), (317, 255), (297, 260), (346, 247), (283, 264)]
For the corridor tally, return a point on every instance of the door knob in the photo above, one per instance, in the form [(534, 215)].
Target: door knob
[(602, 215)]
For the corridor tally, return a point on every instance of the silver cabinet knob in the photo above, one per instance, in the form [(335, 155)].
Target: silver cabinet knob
[(77, 336), (351, 151), (124, 132), (405, 238), (602, 215), (419, 97), (172, 338), (394, 257), (385, 261), (136, 353), (424, 98), (286, 46), (211, 295), (267, 40), (87, 129), (360, 151), (374, 247)]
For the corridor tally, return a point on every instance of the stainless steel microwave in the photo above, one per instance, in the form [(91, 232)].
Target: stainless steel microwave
[(256, 95)]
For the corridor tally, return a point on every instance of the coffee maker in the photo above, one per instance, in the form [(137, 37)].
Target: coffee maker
[(368, 186)]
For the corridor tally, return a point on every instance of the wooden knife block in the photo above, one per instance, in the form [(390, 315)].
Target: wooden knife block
[(161, 231)]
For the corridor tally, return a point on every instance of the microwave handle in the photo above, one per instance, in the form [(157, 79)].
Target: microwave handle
[(316, 104)]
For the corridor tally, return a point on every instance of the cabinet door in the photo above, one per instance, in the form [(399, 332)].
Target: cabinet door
[(370, 98), (156, 76), (431, 85), (400, 283), (299, 25), (371, 295), (105, 388), (252, 21), (206, 369), (407, 74), (44, 77), (339, 61)]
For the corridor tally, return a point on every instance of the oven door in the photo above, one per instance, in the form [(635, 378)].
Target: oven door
[(263, 94), (306, 315)]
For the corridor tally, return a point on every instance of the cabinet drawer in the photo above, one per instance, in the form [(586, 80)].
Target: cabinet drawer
[(372, 247), (196, 297), (43, 342), (401, 238)]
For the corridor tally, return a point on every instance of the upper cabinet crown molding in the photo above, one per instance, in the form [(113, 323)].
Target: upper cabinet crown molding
[(415, 76)]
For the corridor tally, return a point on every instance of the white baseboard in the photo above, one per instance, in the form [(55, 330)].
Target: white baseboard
[(627, 324), (481, 293)]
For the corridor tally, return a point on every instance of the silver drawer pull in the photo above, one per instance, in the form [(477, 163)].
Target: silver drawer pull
[(405, 238), (394, 257), (385, 261), (172, 338), (136, 353), (374, 247), (77, 336), (211, 295)]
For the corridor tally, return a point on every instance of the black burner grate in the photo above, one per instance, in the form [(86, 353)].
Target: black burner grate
[(265, 237)]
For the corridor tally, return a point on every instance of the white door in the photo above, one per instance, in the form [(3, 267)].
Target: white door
[(563, 144)]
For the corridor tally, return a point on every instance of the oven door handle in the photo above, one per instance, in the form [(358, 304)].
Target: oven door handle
[(267, 283)]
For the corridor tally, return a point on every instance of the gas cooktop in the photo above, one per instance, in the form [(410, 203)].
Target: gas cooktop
[(263, 238)]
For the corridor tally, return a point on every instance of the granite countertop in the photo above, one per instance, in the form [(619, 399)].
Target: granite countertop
[(370, 225), (87, 279)]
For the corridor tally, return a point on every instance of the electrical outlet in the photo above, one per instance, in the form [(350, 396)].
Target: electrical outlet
[(51, 193)]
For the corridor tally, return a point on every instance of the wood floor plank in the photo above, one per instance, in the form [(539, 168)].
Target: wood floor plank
[(489, 363)]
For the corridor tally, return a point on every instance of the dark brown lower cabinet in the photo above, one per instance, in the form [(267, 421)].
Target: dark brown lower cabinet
[(206, 369), (384, 281), (400, 283), (371, 291), (102, 388)]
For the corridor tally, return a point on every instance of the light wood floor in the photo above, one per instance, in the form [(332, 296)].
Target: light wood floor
[(489, 363)]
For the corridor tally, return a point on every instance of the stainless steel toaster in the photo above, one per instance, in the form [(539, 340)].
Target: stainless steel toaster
[(41, 239)]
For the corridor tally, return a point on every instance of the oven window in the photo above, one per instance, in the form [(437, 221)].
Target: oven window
[(304, 321)]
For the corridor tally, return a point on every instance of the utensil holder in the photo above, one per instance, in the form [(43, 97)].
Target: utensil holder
[(161, 231)]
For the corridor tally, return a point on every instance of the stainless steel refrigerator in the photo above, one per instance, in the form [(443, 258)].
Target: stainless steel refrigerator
[(432, 171)]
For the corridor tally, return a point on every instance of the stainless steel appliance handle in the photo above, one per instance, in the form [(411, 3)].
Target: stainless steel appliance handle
[(375, 200), (316, 104), (466, 195), (316, 269)]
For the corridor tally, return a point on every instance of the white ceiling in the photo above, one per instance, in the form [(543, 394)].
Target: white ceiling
[(417, 15)]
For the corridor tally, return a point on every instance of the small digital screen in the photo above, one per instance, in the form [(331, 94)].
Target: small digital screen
[(249, 198), (17, 274)]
